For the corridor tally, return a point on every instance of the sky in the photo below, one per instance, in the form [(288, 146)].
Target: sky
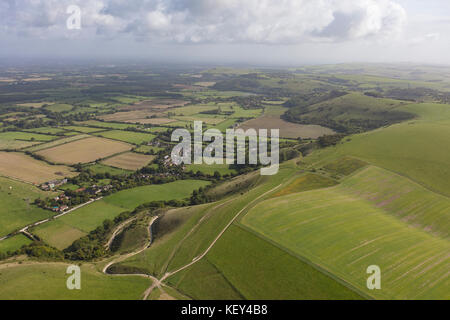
[(262, 32)]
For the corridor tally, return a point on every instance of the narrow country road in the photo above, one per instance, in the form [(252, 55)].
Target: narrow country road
[(24, 230)]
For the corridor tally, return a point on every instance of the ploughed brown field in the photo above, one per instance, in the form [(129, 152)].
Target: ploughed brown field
[(129, 161), (287, 129), (84, 151), (25, 168)]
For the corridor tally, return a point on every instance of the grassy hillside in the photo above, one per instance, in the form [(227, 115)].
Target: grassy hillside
[(363, 222), (223, 274), (354, 112), (414, 149), (242, 265), (48, 282)]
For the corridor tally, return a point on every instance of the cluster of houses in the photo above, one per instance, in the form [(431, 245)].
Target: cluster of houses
[(63, 207), (63, 198), (168, 163), (53, 184)]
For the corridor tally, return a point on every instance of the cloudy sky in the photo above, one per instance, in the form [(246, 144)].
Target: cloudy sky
[(276, 32)]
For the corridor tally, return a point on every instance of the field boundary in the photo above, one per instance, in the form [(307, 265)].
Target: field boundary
[(307, 261)]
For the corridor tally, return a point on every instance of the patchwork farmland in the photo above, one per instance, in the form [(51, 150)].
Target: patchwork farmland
[(129, 161), (87, 178), (84, 151), (23, 167)]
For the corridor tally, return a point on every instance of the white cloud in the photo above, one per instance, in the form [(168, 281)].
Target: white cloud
[(209, 21)]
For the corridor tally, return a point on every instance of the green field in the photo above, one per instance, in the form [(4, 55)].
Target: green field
[(82, 129), (48, 130), (59, 107), (14, 243), (107, 125), (17, 210), (130, 199), (63, 231), (127, 136), (19, 140), (56, 143), (147, 149), (47, 281), (242, 265), (363, 222), (101, 168)]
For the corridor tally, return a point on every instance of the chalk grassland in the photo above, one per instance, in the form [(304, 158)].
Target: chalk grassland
[(20, 140), (133, 237), (16, 208), (373, 218), (237, 267), (84, 151), (344, 166), (306, 182), (414, 149), (55, 143), (136, 138), (62, 232), (129, 161), (402, 198), (47, 281), (287, 129), (25, 168), (168, 232), (14, 243), (244, 266)]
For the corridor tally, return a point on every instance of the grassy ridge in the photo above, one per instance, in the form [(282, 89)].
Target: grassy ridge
[(414, 149), (345, 233)]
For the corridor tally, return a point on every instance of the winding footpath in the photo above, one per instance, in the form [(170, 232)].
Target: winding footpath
[(158, 282)]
